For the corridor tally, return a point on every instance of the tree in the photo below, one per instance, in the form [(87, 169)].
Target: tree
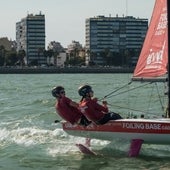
[(2, 55), (21, 55), (40, 52), (48, 54), (11, 58), (117, 59)]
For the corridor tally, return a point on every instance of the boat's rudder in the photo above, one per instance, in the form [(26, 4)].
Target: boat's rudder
[(135, 147)]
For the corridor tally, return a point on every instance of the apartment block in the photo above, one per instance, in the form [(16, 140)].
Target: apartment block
[(30, 36), (116, 35)]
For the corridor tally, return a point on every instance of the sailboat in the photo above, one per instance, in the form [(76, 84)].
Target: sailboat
[(152, 66)]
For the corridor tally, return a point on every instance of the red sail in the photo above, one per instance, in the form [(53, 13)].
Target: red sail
[(154, 55)]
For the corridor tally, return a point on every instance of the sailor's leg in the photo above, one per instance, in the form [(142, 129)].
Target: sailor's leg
[(114, 116)]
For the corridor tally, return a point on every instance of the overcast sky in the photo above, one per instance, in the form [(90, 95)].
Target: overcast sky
[(65, 19)]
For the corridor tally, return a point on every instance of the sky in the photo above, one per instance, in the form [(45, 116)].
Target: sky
[(65, 19)]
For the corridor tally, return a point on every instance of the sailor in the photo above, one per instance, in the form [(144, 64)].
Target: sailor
[(68, 109), (95, 112)]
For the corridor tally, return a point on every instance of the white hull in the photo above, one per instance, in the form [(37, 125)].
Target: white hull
[(150, 131)]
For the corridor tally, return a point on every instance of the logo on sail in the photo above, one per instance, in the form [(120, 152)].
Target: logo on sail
[(162, 24), (155, 59)]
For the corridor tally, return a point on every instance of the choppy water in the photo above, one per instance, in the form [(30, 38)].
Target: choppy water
[(30, 140)]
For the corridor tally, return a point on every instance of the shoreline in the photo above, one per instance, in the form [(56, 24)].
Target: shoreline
[(68, 70)]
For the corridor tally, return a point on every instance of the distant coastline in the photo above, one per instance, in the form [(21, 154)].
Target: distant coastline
[(49, 70)]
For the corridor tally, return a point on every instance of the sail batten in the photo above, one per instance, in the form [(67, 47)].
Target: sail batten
[(153, 58)]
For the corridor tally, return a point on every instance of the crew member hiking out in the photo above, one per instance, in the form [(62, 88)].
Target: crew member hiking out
[(92, 109), (68, 109)]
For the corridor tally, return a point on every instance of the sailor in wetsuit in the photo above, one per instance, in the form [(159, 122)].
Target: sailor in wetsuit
[(93, 110), (68, 109)]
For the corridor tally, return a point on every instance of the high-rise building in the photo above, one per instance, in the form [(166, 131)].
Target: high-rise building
[(30, 37), (111, 36)]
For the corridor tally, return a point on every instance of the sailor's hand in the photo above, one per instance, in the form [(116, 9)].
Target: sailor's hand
[(104, 102), (95, 99)]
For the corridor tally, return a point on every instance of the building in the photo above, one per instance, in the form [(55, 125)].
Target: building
[(114, 36), (58, 55), (61, 59), (30, 37), (73, 49)]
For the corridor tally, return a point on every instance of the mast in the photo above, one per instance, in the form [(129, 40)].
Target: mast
[(168, 11)]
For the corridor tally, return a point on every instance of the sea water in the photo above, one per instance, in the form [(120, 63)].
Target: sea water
[(29, 138)]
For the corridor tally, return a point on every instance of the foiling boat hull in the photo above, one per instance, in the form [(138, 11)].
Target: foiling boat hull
[(155, 131)]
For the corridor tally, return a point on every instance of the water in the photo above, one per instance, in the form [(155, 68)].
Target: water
[(30, 140)]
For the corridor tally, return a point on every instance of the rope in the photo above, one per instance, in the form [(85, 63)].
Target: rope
[(123, 107), (116, 90), (111, 94), (129, 90), (150, 98), (159, 96)]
